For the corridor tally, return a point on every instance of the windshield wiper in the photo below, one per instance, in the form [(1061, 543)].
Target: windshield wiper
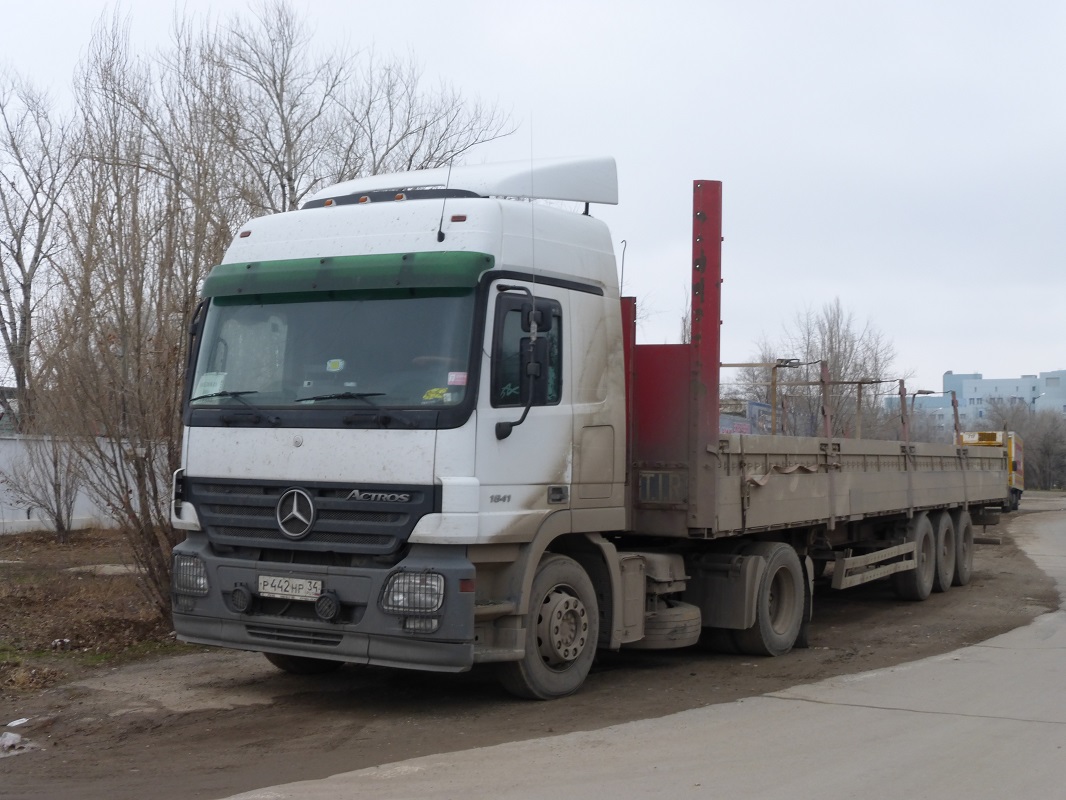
[(344, 396), (234, 395), (382, 419)]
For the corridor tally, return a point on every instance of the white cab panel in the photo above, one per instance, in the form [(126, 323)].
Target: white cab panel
[(378, 456)]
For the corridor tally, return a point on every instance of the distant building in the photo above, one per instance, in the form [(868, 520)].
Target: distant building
[(977, 394)]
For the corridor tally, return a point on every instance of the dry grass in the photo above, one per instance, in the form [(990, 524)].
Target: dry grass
[(56, 616)]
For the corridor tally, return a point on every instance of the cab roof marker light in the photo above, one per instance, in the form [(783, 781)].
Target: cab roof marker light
[(458, 217), (400, 196), (245, 234), (364, 199), (328, 203)]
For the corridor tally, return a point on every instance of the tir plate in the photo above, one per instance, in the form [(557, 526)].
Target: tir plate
[(289, 588)]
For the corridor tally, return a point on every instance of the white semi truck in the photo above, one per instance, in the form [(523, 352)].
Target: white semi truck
[(419, 433)]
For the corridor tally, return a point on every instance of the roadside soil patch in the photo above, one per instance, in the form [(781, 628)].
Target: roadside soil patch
[(192, 723)]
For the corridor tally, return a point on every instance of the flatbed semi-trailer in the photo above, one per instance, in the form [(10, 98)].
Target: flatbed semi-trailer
[(419, 433)]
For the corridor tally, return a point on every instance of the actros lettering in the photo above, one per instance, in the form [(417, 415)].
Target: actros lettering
[(379, 497)]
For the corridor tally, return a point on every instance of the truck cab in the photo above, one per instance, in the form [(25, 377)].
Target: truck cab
[(396, 393)]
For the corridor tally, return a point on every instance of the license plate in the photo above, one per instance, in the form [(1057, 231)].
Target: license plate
[(289, 588)]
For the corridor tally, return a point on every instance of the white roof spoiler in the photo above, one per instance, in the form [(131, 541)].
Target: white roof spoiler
[(582, 180)]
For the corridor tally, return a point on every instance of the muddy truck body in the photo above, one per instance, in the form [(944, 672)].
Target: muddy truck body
[(419, 433)]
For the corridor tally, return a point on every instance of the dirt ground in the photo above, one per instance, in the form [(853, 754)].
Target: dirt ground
[(207, 724)]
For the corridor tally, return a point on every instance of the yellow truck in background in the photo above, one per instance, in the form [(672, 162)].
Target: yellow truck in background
[(1012, 442)]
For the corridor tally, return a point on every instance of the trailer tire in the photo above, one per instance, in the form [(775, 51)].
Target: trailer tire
[(917, 583), (669, 628), (779, 602), (963, 547), (946, 552), (562, 628), (302, 665)]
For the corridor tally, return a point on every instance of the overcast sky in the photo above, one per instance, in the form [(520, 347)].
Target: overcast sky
[(906, 157)]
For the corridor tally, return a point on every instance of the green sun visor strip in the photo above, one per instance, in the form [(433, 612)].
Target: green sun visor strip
[(449, 269)]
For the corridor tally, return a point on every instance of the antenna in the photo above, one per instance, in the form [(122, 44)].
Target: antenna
[(443, 202)]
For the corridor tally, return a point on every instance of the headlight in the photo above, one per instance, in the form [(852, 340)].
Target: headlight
[(413, 593), (189, 575)]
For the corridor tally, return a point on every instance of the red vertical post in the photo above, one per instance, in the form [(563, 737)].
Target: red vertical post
[(705, 356), (629, 343)]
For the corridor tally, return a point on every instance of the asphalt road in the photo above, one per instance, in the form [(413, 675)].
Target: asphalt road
[(987, 721)]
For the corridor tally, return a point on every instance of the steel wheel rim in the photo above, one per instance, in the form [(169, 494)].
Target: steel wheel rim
[(562, 628)]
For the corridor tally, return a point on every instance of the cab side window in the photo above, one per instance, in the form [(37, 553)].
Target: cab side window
[(522, 363)]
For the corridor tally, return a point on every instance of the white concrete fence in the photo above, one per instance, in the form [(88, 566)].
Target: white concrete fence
[(16, 517)]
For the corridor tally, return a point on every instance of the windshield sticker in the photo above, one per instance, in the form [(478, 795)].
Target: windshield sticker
[(209, 383), (435, 394), (457, 379), (335, 365)]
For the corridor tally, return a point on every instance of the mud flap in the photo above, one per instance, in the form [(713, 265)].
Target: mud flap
[(724, 586)]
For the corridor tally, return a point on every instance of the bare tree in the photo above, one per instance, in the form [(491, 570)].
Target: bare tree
[(860, 367), (119, 362), (297, 119), (48, 477), (1004, 415), (389, 123), (176, 149), (35, 165), (1044, 438)]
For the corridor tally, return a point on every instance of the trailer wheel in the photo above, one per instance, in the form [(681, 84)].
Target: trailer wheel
[(301, 665), (779, 602), (963, 547), (1015, 500), (917, 583), (946, 552), (562, 627)]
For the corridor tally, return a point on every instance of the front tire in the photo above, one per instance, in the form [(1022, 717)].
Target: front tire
[(562, 629)]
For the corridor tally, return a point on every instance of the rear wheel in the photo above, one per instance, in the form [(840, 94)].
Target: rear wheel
[(562, 627), (963, 547), (301, 665), (917, 583), (945, 552), (779, 602)]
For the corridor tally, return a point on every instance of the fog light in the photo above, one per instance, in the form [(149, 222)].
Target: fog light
[(241, 598), (189, 575), (421, 624), (407, 592), (328, 606)]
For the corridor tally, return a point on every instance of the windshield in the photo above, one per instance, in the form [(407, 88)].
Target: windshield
[(367, 350)]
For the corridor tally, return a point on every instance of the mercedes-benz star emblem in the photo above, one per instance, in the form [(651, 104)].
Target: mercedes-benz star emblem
[(295, 513)]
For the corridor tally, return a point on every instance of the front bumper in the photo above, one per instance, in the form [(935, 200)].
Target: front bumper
[(363, 633)]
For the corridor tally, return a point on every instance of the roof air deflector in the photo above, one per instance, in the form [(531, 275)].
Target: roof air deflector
[(581, 180)]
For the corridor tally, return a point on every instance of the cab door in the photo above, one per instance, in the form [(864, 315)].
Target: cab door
[(525, 416)]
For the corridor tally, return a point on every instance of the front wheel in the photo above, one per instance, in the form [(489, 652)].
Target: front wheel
[(562, 628)]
